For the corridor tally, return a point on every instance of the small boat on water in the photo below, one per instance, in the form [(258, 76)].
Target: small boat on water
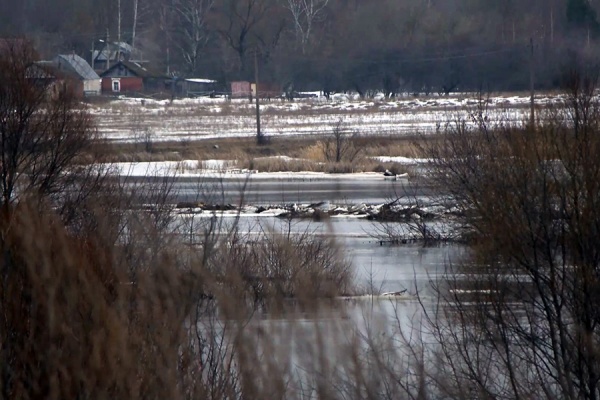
[(390, 176)]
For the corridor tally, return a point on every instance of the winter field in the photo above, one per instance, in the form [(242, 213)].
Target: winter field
[(128, 120)]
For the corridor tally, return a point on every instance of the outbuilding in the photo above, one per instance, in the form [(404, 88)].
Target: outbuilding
[(193, 87), (47, 75), (241, 89), (77, 66)]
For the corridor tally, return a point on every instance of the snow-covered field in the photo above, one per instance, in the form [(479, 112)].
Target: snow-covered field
[(131, 119)]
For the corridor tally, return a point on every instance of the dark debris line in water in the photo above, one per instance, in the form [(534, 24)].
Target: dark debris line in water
[(388, 212), (433, 222)]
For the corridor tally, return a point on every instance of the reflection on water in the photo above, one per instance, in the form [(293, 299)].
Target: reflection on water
[(393, 268), (294, 190), (348, 345)]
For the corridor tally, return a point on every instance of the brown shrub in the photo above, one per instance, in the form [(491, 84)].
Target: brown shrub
[(530, 197), (74, 325)]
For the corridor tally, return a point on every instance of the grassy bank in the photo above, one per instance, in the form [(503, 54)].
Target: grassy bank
[(279, 154)]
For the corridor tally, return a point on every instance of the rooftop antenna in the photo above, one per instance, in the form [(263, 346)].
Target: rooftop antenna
[(107, 51), (119, 25), (532, 84)]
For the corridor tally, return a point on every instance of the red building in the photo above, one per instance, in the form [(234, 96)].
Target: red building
[(243, 89), (129, 77), (122, 84)]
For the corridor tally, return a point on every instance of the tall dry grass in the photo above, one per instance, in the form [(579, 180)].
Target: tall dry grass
[(313, 157), (137, 311), (75, 324)]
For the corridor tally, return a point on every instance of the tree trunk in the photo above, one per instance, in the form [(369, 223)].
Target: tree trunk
[(135, 21)]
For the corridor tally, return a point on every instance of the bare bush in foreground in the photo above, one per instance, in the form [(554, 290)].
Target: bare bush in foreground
[(46, 135), (523, 321)]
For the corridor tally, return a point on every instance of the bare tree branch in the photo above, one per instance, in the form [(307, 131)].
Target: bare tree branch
[(192, 29), (304, 14)]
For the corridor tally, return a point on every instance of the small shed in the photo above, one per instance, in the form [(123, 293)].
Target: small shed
[(193, 87), (127, 76), (76, 65), (46, 74), (241, 89), (267, 90)]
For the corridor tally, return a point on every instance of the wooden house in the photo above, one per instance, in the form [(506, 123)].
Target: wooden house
[(130, 77)]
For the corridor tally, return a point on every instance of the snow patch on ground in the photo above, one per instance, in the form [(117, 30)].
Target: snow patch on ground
[(213, 165), (401, 160), (282, 158), (345, 100), (221, 169)]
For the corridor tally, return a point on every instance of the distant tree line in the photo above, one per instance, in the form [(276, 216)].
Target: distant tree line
[(363, 45)]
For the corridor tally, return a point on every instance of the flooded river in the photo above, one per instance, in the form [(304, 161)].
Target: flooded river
[(258, 191)]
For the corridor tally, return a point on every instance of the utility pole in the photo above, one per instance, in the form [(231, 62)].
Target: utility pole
[(588, 34), (168, 58), (531, 84), (259, 137), (552, 23), (92, 63), (119, 23)]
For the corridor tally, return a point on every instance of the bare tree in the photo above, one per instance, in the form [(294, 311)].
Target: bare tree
[(135, 22), (166, 18), (339, 145), (247, 25), (192, 29), (304, 14), (44, 130)]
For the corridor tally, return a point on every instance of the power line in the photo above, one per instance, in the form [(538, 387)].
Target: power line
[(399, 59)]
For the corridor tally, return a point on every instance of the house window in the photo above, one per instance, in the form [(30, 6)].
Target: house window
[(116, 85)]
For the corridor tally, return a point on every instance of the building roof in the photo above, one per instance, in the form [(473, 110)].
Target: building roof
[(200, 80), (117, 51), (137, 70), (77, 65), (49, 70)]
